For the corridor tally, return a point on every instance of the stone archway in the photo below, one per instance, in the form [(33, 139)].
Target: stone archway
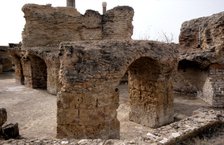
[(90, 73), (38, 72), (146, 98)]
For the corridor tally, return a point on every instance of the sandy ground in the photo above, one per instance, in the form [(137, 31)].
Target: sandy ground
[(35, 110)]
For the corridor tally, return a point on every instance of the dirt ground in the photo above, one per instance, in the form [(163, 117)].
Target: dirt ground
[(35, 110)]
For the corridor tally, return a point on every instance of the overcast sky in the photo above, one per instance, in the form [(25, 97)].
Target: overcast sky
[(152, 17)]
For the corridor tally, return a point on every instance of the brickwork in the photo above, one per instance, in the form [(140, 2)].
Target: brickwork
[(213, 91)]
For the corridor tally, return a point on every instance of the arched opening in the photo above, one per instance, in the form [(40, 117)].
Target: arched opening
[(150, 100), (39, 72), (189, 83), (19, 75), (192, 76)]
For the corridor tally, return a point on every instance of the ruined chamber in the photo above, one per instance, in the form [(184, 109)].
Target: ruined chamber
[(201, 64)]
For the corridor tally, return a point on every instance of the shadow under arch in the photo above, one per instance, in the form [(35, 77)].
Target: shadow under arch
[(150, 98), (19, 74), (39, 72), (192, 76)]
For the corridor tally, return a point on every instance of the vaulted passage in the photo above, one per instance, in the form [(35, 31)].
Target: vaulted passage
[(39, 72)]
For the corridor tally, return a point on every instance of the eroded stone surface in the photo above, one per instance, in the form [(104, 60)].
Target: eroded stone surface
[(201, 59), (37, 67), (49, 26), (90, 73), (204, 33)]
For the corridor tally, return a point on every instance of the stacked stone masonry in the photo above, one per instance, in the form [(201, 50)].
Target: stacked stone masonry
[(90, 73), (49, 26), (46, 27), (201, 59), (82, 59)]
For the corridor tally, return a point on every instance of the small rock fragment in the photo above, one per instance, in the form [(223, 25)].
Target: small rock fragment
[(10, 131)]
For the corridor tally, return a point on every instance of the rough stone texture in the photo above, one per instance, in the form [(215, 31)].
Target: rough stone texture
[(90, 73), (213, 90), (48, 26), (211, 33), (199, 53), (166, 135), (5, 60), (117, 23), (191, 126), (36, 60), (37, 67), (3, 116)]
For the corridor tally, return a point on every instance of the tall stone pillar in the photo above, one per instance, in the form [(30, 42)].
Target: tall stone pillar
[(71, 3)]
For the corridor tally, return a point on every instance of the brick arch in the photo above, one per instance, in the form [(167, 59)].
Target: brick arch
[(90, 73)]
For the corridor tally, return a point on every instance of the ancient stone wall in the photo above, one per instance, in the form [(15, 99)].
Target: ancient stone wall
[(204, 33), (49, 26), (37, 67), (46, 27), (90, 73), (213, 90), (202, 42)]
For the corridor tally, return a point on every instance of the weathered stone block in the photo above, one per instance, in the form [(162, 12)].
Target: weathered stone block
[(10, 131)]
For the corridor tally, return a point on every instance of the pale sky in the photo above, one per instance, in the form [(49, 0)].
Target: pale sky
[(151, 19)]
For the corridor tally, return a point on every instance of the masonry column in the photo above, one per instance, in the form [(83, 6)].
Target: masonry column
[(71, 3)]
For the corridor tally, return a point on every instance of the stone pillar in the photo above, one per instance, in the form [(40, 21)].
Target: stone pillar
[(104, 4), (71, 3), (89, 113)]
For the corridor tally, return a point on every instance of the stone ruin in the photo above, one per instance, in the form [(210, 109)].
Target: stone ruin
[(82, 59), (201, 63)]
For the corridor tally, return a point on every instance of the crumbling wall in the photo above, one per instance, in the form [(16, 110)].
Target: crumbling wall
[(204, 33), (213, 90), (48, 26), (202, 42), (90, 73)]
